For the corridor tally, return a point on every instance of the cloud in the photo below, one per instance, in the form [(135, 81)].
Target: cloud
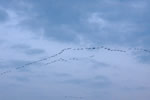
[(138, 88), (144, 58), (1, 41), (96, 19), (62, 75), (98, 64), (20, 46), (61, 33), (120, 31), (3, 16), (22, 79), (32, 30), (96, 82), (34, 51), (105, 22)]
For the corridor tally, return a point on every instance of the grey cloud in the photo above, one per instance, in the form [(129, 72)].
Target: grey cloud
[(123, 21), (16, 63), (62, 75), (102, 81), (116, 22), (21, 46), (118, 32), (51, 16), (144, 58), (96, 82), (5, 3), (12, 63), (3, 16), (27, 49), (137, 88), (98, 64), (123, 18), (1, 41), (60, 33), (22, 79), (34, 51), (3, 65)]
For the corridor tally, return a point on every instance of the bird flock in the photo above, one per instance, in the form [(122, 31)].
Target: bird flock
[(74, 49)]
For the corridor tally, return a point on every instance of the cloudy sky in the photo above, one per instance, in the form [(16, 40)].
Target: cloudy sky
[(106, 53)]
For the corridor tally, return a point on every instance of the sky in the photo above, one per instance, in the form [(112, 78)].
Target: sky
[(74, 50)]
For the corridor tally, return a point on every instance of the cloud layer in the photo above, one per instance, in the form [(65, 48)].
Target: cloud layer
[(73, 49)]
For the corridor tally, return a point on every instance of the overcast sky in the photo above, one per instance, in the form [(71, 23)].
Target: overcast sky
[(107, 56)]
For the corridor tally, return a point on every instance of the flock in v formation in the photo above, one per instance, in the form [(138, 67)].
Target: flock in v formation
[(74, 49)]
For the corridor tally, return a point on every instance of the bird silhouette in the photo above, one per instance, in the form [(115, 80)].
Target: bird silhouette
[(67, 49)]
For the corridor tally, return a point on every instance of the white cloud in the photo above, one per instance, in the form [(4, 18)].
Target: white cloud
[(139, 5), (96, 19)]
